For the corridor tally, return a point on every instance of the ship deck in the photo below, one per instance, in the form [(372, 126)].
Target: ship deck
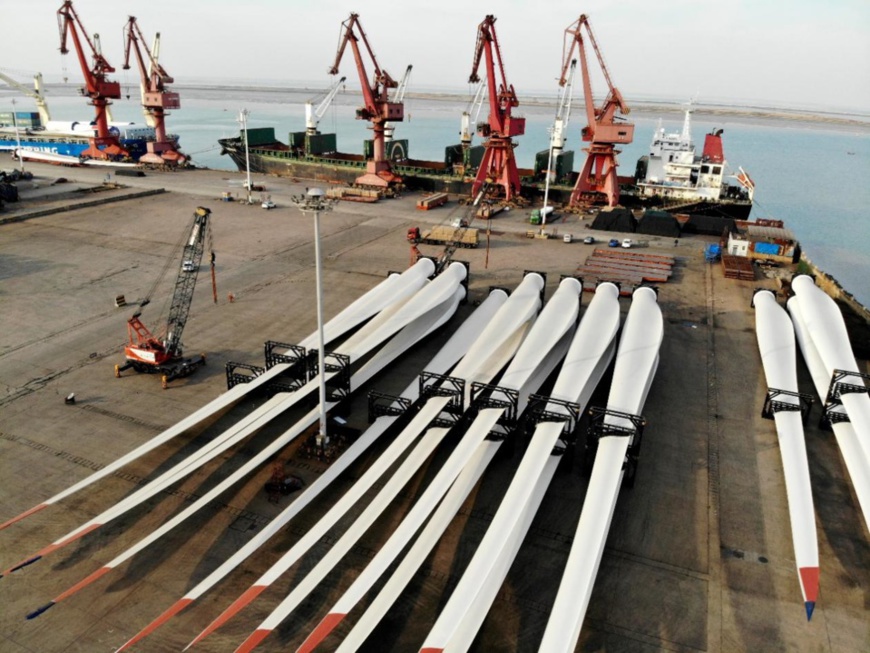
[(699, 556)]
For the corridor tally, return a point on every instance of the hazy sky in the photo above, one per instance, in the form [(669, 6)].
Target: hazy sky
[(803, 53)]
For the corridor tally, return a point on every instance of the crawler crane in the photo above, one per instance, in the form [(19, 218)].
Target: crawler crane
[(162, 353)]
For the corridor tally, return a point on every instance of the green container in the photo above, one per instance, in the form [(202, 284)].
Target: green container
[(320, 144), (296, 140), (260, 136), (562, 165), (396, 149)]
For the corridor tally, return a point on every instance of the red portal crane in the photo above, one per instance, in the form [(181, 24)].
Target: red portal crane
[(378, 109), (498, 166), (104, 145), (155, 98), (597, 182)]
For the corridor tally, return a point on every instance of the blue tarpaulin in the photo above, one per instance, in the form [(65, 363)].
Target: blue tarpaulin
[(767, 248)]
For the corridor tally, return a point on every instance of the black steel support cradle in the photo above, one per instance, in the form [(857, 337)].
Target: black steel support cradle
[(598, 429)]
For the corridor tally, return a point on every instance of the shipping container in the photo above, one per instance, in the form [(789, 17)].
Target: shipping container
[(259, 136)]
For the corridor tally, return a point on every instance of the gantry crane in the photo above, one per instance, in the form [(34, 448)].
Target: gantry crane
[(604, 129), (498, 166), (156, 99), (36, 94), (312, 115), (99, 89), (162, 353), (378, 107)]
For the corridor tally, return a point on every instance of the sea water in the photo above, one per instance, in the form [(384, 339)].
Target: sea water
[(813, 175)]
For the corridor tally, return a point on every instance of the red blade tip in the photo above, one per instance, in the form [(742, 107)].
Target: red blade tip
[(159, 621), (250, 594), (326, 626), (253, 641), (810, 582), (24, 514)]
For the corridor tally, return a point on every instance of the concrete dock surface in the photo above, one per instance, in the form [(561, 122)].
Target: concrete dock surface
[(699, 556)]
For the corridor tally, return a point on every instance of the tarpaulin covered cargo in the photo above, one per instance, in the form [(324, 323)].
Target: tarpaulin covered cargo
[(618, 219), (658, 223), (709, 225)]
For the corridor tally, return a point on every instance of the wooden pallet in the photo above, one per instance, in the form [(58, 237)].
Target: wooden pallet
[(738, 267)]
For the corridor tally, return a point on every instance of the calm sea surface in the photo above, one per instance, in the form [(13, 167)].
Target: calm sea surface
[(814, 176)]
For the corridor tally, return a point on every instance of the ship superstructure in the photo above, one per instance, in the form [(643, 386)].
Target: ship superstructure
[(674, 173)]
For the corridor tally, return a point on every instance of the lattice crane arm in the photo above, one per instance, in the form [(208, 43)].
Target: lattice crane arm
[(179, 308)]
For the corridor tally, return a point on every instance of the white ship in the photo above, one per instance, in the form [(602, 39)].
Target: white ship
[(677, 178)]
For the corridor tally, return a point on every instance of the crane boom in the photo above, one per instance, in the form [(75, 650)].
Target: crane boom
[(563, 112), (604, 129), (498, 165), (312, 115), (156, 99), (471, 114), (36, 94), (99, 89), (398, 95), (378, 108)]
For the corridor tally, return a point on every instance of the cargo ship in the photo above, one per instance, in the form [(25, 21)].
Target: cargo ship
[(66, 141), (672, 177), (316, 156)]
